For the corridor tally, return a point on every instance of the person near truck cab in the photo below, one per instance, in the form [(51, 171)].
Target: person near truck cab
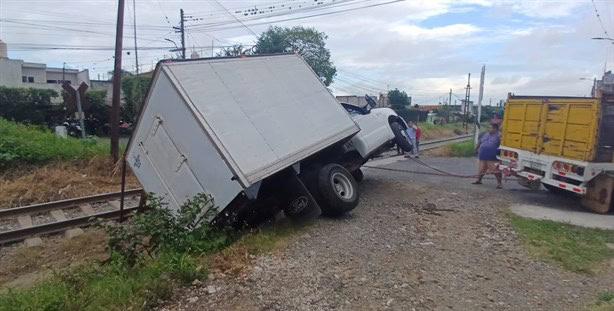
[(412, 131), (487, 148), (418, 134)]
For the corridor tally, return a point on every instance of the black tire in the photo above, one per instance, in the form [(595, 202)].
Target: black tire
[(358, 175), (337, 190), (400, 139)]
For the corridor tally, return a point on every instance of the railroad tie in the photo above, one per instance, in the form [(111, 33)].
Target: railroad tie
[(115, 204), (87, 209), (59, 215), (25, 221)]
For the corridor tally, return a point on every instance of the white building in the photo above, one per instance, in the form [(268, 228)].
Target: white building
[(18, 73)]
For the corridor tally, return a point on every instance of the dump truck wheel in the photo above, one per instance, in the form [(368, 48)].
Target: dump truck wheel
[(337, 190), (358, 175), (599, 194), (400, 139)]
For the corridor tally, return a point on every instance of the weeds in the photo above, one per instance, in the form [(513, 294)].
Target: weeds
[(578, 249), (150, 255), (30, 145)]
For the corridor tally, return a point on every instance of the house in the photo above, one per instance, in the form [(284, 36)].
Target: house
[(19, 73)]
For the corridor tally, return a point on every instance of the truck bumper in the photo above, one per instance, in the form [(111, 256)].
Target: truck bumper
[(507, 170)]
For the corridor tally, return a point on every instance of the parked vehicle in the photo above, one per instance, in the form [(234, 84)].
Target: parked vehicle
[(563, 143), (256, 134), (73, 128)]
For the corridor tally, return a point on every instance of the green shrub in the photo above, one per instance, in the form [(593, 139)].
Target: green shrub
[(152, 253), (30, 145), (28, 105), (462, 149), (159, 231)]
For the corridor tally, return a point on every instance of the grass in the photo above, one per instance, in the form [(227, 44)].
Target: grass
[(114, 286), (605, 302), (25, 185), (462, 149), (577, 249), (30, 145)]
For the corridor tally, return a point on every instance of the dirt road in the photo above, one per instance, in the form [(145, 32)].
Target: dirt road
[(412, 244)]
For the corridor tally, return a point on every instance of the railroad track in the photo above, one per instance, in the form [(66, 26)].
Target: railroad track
[(18, 224)]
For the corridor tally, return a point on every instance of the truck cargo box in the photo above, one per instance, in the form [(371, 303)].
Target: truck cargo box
[(219, 126), (578, 128)]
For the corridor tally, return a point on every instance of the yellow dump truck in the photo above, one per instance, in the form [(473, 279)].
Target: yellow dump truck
[(563, 143)]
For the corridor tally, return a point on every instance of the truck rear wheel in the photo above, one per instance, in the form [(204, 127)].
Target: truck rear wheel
[(400, 139), (599, 194), (337, 190)]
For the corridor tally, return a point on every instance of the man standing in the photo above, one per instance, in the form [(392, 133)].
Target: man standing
[(412, 130), (487, 154)]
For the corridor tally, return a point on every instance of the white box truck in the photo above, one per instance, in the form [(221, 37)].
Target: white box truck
[(255, 134)]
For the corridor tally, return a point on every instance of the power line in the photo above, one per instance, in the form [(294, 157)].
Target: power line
[(308, 16), (599, 18), (238, 20)]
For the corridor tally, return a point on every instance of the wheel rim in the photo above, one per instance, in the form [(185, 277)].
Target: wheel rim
[(342, 185)]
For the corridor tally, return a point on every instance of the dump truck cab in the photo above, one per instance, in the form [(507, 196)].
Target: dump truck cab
[(563, 143)]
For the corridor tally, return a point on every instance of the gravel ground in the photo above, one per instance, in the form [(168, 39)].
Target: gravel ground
[(408, 246)]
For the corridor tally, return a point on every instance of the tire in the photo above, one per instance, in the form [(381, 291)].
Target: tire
[(400, 139), (358, 175), (337, 190)]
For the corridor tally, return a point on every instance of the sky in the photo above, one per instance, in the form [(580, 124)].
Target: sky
[(424, 48)]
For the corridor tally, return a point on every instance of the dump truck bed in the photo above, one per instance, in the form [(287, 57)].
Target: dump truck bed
[(551, 125)]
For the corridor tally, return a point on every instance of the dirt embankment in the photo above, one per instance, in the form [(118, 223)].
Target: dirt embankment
[(58, 181)]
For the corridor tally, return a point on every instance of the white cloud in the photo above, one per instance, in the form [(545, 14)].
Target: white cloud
[(449, 32)]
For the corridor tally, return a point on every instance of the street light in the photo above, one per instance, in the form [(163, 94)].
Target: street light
[(176, 49)]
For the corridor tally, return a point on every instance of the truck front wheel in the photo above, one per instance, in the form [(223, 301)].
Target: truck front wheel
[(400, 138), (337, 189)]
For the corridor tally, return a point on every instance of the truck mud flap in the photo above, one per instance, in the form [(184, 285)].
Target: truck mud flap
[(299, 205)]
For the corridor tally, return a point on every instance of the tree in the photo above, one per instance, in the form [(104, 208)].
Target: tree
[(398, 99), (235, 50), (307, 42), (134, 88)]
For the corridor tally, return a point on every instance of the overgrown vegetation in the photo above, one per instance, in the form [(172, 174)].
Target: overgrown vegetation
[(29, 105), (135, 89), (462, 149), (151, 254), (576, 248), (32, 145)]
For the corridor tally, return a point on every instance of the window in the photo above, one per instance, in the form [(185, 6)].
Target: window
[(24, 79), (30, 79), (52, 81)]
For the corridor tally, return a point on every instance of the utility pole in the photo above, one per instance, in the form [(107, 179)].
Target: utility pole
[(136, 51), (466, 105), (181, 29), (117, 75), (63, 72), (479, 112), (450, 98)]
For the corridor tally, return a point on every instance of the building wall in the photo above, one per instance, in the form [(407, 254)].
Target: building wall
[(10, 72)]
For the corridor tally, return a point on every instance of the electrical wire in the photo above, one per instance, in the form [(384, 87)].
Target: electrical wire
[(308, 16), (238, 20), (599, 18)]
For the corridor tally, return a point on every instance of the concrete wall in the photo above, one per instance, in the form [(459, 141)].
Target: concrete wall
[(10, 72)]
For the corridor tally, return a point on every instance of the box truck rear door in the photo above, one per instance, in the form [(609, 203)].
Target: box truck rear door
[(171, 166)]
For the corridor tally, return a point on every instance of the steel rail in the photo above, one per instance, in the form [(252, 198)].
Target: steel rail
[(58, 226), (43, 207)]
